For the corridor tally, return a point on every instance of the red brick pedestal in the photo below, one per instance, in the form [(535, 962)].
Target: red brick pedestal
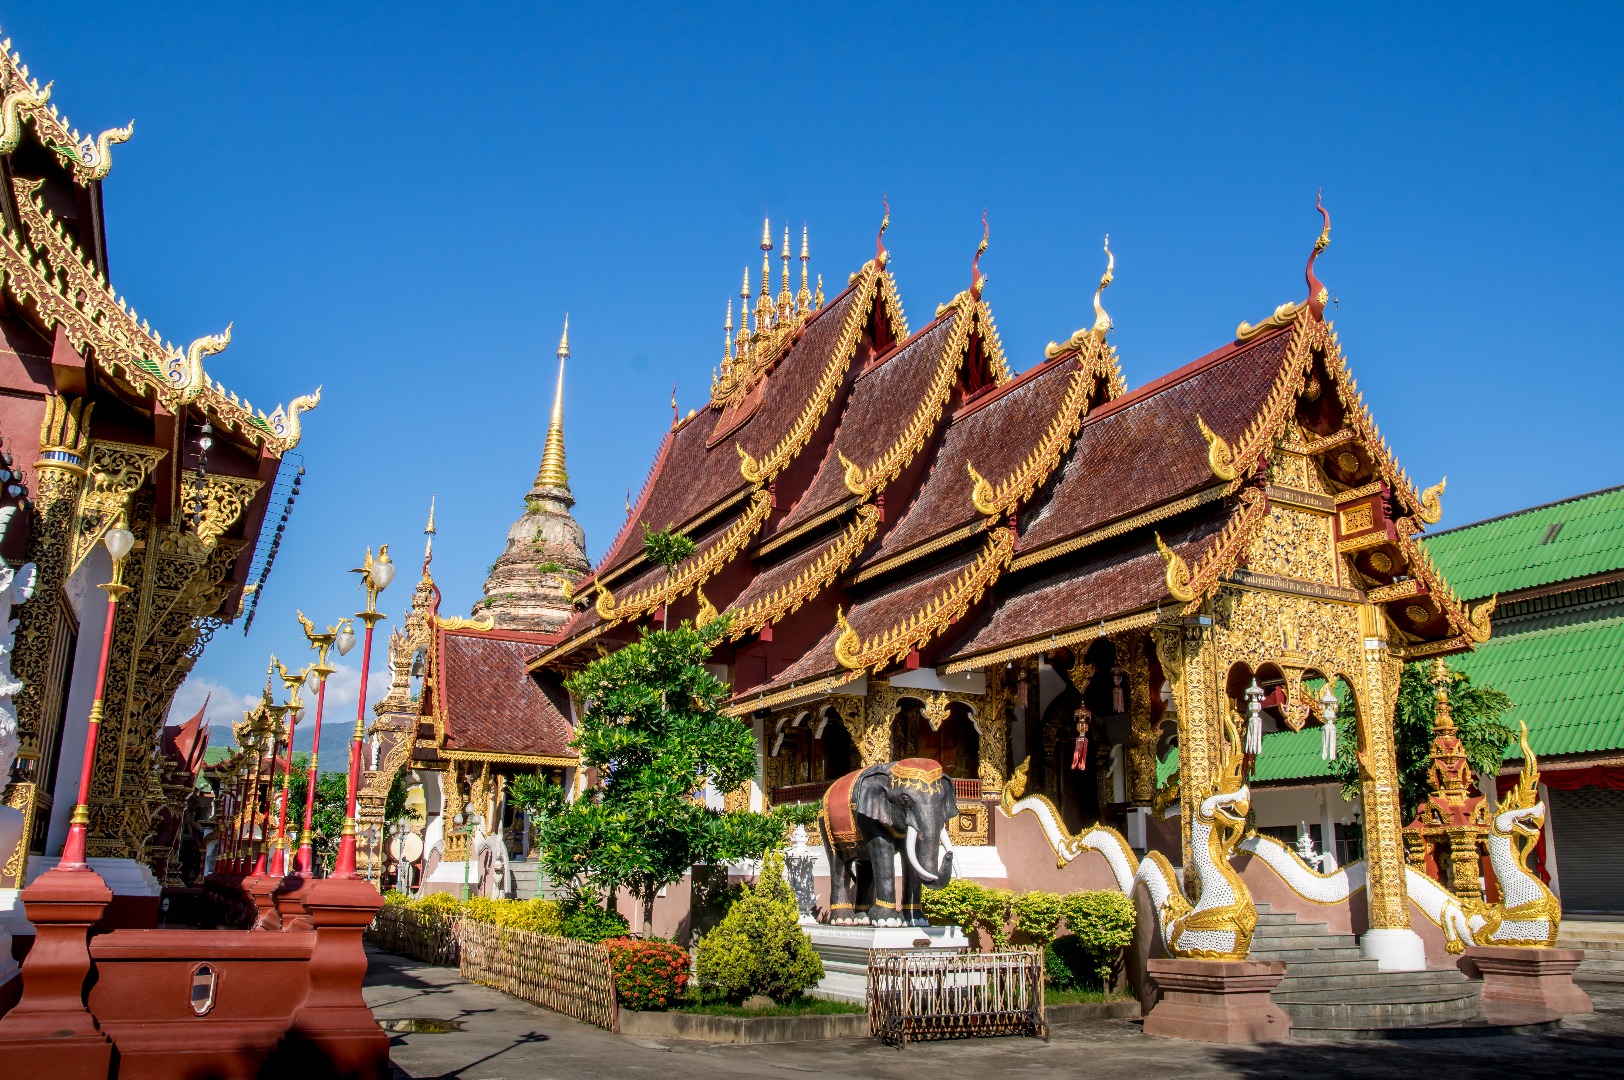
[(289, 899), (1537, 978), (1223, 1001), (261, 889), (334, 1027), (50, 1032)]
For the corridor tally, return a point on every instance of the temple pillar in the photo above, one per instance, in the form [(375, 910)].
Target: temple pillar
[(1187, 655), (991, 713), (878, 716), (1390, 941), (1140, 753)]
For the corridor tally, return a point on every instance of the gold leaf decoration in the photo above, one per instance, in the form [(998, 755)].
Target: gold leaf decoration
[(1220, 458), (1178, 572)]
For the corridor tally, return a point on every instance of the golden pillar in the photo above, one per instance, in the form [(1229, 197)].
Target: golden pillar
[(1389, 941), (1140, 756), (1187, 656)]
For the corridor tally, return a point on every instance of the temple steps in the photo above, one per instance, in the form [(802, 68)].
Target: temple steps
[(1603, 943), (1332, 992), (530, 881)]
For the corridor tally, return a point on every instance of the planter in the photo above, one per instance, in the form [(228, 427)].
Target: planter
[(743, 1029)]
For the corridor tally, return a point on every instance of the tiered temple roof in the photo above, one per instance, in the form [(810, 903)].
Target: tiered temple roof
[(935, 511)]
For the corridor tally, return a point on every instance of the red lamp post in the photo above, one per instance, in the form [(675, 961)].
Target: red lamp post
[(262, 806), (375, 577), (292, 680), (119, 541), (344, 638)]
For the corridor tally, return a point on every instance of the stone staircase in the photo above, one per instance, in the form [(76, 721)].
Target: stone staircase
[(1603, 943), (1332, 992), (530, 881)]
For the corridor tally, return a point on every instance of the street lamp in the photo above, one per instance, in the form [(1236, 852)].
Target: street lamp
[(292, 680), (375, 578), (465, 829), (120, 541), (342, 636)]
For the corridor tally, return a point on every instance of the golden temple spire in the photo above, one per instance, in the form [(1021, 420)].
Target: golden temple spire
[(727, 337), (764, 305), (785, 299), (744, 315), (428, 544), (803, 299), (552, 472)]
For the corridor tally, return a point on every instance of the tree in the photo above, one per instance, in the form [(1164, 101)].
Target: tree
[(1476, 710), (654, 731), (666, 549)]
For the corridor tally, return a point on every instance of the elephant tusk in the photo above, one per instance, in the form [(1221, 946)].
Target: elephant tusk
[(913, 855)]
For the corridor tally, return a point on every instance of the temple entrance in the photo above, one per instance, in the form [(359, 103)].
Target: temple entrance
[(955, 742), (807, 753)]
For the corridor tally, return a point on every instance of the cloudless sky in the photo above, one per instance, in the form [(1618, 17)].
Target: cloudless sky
[(399, 202)]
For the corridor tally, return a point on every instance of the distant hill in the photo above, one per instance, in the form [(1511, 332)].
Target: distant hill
[(335, 743)]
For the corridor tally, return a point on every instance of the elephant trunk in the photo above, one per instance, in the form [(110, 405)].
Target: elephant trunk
[(913, 856)]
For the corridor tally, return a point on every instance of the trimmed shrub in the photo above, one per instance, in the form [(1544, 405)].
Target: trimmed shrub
[(1102, 922), (538, 916), (593, 924), (970, 906), (759, 946), (1037, 914), (649, 975), (444, 903)]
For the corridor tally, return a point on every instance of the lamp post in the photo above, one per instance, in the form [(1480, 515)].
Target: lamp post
[(375, 577), (292, 680), (119, 541), (465, 828), (263, 806), (342, 636)]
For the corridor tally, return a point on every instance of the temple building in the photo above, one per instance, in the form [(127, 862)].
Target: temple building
[(1045, 580), (105, 423)]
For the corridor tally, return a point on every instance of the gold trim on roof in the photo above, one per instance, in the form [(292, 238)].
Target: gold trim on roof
[(939, 612), (817, 576), (1117, 528), (48, 268), (809, 689), (1066, 640), (1284, 315), (1001, 498), (510, 759), (87, 158)]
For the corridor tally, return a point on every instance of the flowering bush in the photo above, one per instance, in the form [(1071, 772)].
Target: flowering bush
[(648, 974)]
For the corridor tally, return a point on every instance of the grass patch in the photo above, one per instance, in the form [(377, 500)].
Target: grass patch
[(803, 1006), (1078, 997)]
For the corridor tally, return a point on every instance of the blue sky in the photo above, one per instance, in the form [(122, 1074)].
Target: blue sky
[(400, 204)]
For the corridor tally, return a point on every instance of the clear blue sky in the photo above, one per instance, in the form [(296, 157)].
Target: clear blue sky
[(400, 202)]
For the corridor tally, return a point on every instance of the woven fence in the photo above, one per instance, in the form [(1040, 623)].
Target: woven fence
[(941, 994), (566, 976), (428, 936)]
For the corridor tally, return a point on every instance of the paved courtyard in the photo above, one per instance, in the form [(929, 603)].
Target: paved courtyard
[(503, 1037)]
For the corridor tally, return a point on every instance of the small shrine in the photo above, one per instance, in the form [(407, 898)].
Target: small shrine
[(1449, 836)]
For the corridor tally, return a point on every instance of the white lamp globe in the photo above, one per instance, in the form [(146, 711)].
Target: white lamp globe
[(119, 541), (345, 641), (383, 572)]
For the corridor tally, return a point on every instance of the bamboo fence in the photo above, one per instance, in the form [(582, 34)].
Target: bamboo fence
[(937, 994), (566, 976), (422, 935)]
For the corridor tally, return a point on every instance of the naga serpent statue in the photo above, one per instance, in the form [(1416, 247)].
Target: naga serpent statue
[(1219, 924)]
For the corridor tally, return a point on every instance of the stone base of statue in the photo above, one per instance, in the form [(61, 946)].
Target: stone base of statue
[(1533, 978), (1221, 1001), (845, 951)]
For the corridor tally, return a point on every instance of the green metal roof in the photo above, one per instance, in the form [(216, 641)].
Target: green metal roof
[(1565, 675), (1508, 553), (1286, 755)]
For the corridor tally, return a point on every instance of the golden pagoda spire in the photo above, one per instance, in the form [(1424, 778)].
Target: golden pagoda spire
[(785, 299), (552, 472), (727, 337), (764, 304), (744, 316), (428, 544), (803, 299)]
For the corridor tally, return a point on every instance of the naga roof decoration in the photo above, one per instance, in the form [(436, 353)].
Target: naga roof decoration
[(44, 266), (85, 157), (765, 602)]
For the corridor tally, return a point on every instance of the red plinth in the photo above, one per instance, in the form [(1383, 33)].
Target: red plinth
[(289, 899), (1537, 978), (261, 889), (1223, 1001), (334, 1025), (50, 1029)]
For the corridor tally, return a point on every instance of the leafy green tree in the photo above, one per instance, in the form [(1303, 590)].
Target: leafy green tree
[(666, 549), (653, 729), (1476, 710)]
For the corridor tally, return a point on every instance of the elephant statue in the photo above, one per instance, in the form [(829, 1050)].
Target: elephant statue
[(870, 817)]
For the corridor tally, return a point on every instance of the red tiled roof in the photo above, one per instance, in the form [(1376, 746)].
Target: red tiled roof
[(701, 465), (1102, 585), (995, 434), (1145, 449), (489, 702), (882, 401)]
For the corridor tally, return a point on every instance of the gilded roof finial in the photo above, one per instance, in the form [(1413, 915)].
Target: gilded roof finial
[(803, 299), (785, 300), (552, 473), (817, 297), (764, 303), (1317, 293), (428, 544), (744, 314), (880, 254), (977, 278), (727, 337), (628, 502), (1102, 321), (675, 415)]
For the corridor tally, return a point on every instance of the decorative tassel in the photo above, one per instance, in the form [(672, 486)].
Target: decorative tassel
[(1254, 719), (1328, 741), (1079, 754)]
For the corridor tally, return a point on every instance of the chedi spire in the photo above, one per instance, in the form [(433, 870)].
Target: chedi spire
[(529, 586)]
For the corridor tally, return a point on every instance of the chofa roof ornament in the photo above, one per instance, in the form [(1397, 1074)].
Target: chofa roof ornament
[(977, 278), (1317, 293)]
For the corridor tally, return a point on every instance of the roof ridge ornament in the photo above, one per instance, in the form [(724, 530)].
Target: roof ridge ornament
[(25, 97), (977, 278), (1102, 322), (881, 256), (1317, 293)]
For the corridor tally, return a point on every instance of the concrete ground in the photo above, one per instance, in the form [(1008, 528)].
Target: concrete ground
[(504, 1037)]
